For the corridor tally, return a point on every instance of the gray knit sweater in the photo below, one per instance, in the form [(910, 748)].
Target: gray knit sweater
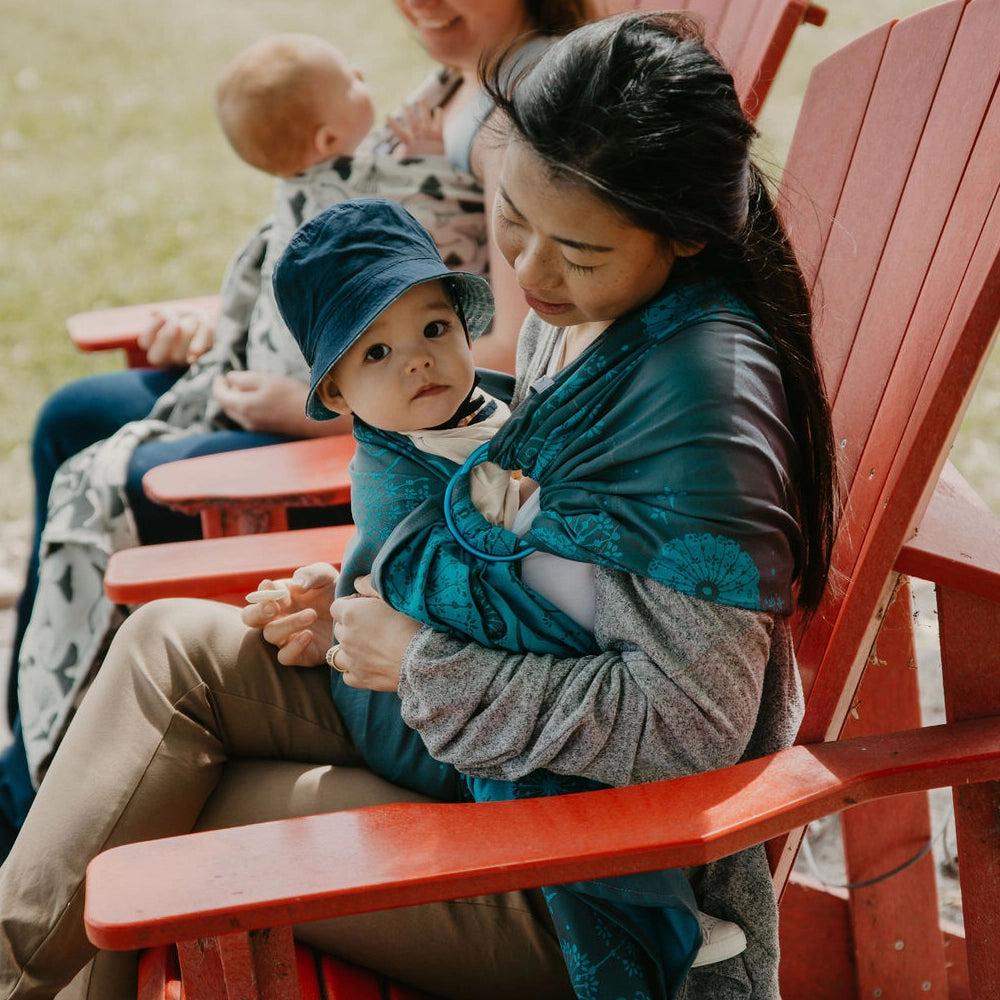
[(681, 685)]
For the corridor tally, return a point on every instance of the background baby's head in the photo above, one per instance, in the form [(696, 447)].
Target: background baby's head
[(290, 101)]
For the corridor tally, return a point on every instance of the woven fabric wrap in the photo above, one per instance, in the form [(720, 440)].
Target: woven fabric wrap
[(663, 451)]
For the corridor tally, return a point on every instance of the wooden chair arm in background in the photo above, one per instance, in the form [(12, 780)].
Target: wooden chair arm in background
[(243, 492), (119, 327)]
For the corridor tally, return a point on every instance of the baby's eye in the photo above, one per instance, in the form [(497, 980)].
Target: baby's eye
[(436, 328), (377, 352), (579, 268)]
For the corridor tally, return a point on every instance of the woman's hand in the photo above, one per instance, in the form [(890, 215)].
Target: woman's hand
[(177, 337), (373, 638), (264, 402), (298, 621)]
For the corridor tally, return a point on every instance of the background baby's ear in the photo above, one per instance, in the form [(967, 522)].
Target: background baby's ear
[(326, 142)]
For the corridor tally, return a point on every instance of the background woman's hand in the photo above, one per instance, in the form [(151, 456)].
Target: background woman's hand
[(373, 638), (298, 621), (175, 338), (264, 402)]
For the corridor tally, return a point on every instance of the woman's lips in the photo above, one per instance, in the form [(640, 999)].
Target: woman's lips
[(544, 308)]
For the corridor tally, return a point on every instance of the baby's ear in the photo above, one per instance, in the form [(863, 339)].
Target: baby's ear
[(326, 142), (328, 395)]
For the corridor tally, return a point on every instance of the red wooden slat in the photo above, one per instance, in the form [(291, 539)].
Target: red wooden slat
[(317, 467), (104, 329), (927, 426), (971, 673), (828, 946), (958, 542), (745, 52), (922, 213), (898, 946), (218, 567), (343, 981), (893, 125), (821, 151)]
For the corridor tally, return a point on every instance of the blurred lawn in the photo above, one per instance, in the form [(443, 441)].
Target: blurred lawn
[(117, 186)]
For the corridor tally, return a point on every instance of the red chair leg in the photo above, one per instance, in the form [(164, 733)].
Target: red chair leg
[(970, 656), (898, 943)]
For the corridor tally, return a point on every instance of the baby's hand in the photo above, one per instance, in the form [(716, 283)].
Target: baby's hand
[(418, 128), (294, 614)]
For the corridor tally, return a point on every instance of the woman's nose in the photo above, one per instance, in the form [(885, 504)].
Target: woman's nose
[(533, 268)]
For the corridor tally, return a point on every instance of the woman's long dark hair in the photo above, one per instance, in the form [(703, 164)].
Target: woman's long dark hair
[(637, 109)]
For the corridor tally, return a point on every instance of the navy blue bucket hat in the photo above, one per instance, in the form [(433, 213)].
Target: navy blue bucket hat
[(346, 266)]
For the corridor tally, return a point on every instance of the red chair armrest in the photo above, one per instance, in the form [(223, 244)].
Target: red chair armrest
[(108, 329), (242, 492), (957, 543), (287, 872), (223, 569)]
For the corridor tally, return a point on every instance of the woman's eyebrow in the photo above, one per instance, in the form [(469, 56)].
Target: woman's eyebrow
[(562, 240)]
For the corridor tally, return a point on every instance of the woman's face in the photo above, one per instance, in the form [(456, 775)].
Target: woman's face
[(458, 32), (576, 259)]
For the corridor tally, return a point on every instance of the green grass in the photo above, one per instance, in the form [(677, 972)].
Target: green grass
[(117, 186)]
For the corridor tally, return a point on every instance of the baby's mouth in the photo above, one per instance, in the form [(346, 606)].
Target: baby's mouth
[(431, 389)]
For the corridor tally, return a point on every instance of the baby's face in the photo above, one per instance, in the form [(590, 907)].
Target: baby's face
[(410, 370), (349, 111)]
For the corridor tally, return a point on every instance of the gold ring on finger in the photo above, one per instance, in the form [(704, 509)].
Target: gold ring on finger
[(331, 658)]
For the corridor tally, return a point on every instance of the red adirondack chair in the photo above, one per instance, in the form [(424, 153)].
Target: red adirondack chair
[(891, 196)]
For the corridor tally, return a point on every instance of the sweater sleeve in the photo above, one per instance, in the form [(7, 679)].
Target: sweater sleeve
[(676, 689)]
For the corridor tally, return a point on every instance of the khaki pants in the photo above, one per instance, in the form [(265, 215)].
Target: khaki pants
[(192, 723)]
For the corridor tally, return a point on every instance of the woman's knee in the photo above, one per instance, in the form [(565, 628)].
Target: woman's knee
[(176, 643)]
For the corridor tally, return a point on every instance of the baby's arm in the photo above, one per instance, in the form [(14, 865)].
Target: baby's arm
[(418, 129)]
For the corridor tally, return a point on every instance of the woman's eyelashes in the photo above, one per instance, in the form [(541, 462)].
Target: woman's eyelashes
[(506, 222), (503, 219)]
